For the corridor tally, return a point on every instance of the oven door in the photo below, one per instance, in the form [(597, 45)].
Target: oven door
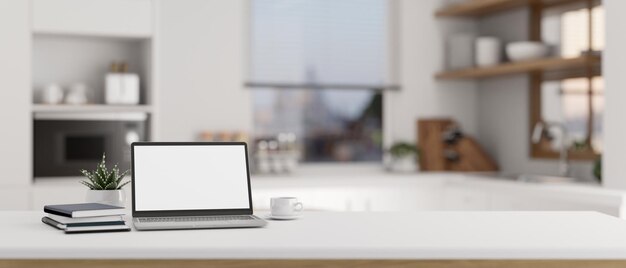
[(63, 147)]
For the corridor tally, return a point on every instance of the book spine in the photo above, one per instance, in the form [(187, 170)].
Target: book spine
[(95, 223), (52, 223), (47, 210), (74, 231)]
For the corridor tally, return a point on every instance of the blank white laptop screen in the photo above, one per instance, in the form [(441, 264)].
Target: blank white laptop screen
[(190, 177)]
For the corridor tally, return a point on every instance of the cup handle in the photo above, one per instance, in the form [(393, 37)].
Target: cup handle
[(298, 207)]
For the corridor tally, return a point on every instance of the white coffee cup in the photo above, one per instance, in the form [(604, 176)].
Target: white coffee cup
[(77, 94), (488, 51), (52, 94), (285, 206)]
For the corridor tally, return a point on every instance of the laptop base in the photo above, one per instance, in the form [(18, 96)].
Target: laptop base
[(179, 223)]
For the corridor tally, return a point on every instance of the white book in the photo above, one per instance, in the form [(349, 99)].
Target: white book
[(102, 228), (66, 220)]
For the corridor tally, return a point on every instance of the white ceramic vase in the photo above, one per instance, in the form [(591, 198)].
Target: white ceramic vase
[(52, 94), (404, 164), (109, 197), (77, 94), (488, 51)]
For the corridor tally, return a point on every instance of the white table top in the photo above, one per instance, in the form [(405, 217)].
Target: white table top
[(333, 235)]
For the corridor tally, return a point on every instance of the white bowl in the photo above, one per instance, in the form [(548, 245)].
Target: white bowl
[(526, 50)]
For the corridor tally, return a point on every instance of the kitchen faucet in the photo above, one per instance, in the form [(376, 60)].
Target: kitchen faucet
[(543, 127)]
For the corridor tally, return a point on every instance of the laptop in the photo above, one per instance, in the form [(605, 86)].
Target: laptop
[(191, 185)]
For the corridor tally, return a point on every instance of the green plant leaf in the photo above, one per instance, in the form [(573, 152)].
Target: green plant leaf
[(89, 185), (104, 179), (120, 177), (111, 177), (110, 186), (115, 170), (122, 185), (89, 176), (401, 149), (85, 173), (101, 176)]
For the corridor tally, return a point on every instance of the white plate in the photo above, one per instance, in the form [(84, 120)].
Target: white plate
[(273, 217)]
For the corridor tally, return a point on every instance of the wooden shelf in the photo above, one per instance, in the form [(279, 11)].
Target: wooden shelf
[(90, 108), (91, 112), (550, 64), (475, 8)]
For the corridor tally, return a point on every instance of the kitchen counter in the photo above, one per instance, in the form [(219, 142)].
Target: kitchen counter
[(338, 236), (366, 187)]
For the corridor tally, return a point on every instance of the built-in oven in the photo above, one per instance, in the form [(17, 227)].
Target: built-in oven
[(65, 144)]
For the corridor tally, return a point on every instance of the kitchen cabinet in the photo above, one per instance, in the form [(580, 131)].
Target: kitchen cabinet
[(56, 195), (203, 66), (15, 198), (390, 192), (495, 195), (394, 198), (123, 18), (342, 192), (94, 34), (313, 198), (553, 202), (121, 25), (459, 198), (68, 192), (15, 94)]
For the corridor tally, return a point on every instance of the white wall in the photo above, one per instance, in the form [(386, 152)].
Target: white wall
[(15, 93), (504, 108), (202, 62), (200, 68), (421, 44), (614, 167)]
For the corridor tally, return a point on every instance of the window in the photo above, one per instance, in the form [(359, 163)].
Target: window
[(574, 98), (575, 31), (316, 67), (571, 102)]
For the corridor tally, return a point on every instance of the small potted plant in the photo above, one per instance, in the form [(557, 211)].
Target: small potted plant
[(404, 157), (597, 169), (105, 186)]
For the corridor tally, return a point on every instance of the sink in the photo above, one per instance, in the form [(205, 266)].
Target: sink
[(544, 179), (531, 178)]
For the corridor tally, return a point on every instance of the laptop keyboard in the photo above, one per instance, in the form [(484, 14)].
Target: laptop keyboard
[(198, 218)]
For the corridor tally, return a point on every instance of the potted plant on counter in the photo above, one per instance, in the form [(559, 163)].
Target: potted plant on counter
[(597, 169), (105, 186), (404, 157)]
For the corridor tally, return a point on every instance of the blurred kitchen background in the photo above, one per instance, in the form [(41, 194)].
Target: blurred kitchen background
[(352, 105)]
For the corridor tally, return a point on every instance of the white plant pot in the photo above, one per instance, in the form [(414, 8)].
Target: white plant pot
[(109, 197), (404, 164)]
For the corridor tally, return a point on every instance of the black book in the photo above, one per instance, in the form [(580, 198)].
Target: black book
[(84, 210)]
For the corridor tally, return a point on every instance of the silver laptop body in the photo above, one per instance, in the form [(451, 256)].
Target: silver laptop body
[(191, 185)]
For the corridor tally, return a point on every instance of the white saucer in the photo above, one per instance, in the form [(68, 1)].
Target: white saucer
[(273, 217)]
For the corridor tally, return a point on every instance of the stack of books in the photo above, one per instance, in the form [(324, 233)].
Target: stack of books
[(86, 217)]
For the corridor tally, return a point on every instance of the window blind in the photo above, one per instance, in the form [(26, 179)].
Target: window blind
[(319, 43)]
